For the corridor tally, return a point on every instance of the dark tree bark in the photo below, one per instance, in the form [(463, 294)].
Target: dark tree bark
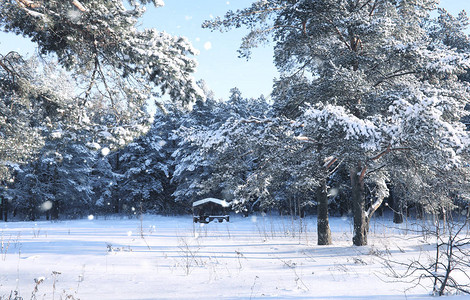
[(323, 225), (419, 211), (55, 203), (397, 210), (55, 210), (116, 198), (361, 223), (397, 216), (4, 211), (32, 211)]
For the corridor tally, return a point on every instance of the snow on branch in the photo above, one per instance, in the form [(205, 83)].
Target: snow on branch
[(444, 61), (256, 120), (158, 3), (381, 191), (426, 112), (336, 117)]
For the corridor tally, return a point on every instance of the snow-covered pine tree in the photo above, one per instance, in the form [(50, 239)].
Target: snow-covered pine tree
[(450, 30), (370, 72), (103, 183), (31, 108), (59, 182), (27, 106), (191, 164), (144, 167), (22, 193), (115, 68)]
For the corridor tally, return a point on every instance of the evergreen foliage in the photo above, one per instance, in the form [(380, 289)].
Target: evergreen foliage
[(98, 40), (371, 76), (370, 99)]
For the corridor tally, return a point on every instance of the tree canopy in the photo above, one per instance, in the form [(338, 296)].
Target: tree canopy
[(372, 75), (371, 99)]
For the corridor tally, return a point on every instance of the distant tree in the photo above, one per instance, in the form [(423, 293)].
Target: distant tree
[(103, 183), (112, 69), (29, 104), (145, 170), (58, 182), (191, 166)]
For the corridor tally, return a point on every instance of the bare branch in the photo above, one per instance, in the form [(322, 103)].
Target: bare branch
[(79, 6)]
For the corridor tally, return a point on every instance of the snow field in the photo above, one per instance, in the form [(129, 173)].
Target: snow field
[(262, 257)]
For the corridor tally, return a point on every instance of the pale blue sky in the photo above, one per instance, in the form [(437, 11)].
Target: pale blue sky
[(218, 61), (219, 64)]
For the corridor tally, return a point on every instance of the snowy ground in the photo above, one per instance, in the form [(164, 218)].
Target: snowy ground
[(248, 258)]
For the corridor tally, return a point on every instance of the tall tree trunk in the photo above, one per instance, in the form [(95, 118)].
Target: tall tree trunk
[(2, 207), (419, 211), (397, 210), (55, 210), (5, 209), (32, 209), (361, 224), (323, 224), (398, 215), (116, 198)]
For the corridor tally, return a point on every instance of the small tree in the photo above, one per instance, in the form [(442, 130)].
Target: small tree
[(445, 268), (446, 228)]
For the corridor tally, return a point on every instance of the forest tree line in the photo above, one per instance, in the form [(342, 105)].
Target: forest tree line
[(369, 106)]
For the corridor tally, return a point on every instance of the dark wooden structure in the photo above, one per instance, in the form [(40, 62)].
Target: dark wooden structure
[(210, 209)]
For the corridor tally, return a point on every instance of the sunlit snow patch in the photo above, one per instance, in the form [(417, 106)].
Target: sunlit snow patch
[(91, 217), (56, 134)]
